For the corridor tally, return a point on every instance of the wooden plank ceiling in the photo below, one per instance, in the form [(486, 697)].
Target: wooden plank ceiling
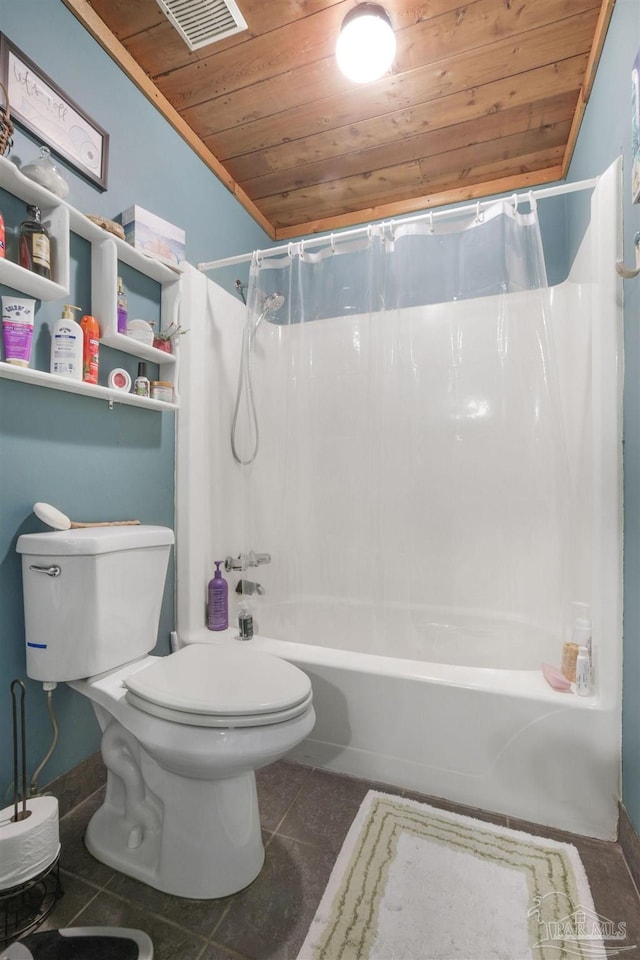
[(484, 96)]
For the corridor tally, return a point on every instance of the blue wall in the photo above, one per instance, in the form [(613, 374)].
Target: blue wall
[(71, 450)]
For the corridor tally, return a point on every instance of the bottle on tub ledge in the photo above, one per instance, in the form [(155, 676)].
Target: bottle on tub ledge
[(583, 673), (218, 601), (246, 625)]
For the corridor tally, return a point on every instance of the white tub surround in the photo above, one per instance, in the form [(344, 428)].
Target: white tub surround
[(425, 655)]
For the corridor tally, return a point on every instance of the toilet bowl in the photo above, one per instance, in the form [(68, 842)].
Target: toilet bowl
[(181, 807), (182, 735)]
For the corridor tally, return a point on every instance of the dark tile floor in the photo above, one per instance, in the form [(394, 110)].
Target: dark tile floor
[(306, 814)]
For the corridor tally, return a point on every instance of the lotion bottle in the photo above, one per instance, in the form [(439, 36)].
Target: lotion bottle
[(90, 348), (218, 601), (67, 346)]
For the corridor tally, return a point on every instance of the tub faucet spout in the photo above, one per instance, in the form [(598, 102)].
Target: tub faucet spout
[(247, 588), (245, 560)]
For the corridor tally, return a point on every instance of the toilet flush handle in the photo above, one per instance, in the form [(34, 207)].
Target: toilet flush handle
[(53, 571)]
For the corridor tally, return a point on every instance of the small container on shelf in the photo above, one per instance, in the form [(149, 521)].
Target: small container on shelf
[(141, 385), (119, 379), (43, 170), (165, 338), (140, 330), (162, 390)]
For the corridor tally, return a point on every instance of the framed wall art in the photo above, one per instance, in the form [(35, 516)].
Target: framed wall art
[(41, 107)]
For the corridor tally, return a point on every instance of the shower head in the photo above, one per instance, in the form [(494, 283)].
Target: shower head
[(272, 302)]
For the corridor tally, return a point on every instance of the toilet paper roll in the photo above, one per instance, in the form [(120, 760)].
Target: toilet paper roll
[(29, 846)]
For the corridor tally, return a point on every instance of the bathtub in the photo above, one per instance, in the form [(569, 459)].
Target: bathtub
[(500, 740), (429, 713)]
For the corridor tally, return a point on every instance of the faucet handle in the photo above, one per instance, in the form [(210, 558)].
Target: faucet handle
[(235, 563)]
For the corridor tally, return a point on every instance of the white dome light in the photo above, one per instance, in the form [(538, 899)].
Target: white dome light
[(367, 44)]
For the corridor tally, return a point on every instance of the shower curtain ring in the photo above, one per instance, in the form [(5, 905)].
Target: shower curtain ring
[(302, 249), (333, 243), (392, 229)]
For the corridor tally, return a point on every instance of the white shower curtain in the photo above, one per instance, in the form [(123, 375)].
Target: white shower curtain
[(411, 480)]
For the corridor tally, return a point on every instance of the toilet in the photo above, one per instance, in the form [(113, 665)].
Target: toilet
[(182, 735)]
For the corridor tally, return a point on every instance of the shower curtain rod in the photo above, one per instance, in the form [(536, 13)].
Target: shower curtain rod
[(540, 194)]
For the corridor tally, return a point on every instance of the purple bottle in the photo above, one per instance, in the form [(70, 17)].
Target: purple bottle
[(218, 601)]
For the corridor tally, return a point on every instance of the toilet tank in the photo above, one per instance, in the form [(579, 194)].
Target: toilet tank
[(92, 597)]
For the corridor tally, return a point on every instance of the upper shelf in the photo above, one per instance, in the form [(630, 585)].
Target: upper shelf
[(150, 266), (64, 218), (106, 251)]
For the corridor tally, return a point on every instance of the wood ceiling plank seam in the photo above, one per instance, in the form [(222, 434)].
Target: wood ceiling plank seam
[(455, 34), (547, 46), (373, 134), (518, 119), (388, 211), (485, 174), (257, 28), (126, 19), (473, 26), (83, 11), (230, 145), (265, 52), (447, 111), (504, 152), (144, 45), (559, 109)]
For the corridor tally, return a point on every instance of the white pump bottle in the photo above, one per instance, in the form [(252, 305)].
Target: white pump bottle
[(66, 346)]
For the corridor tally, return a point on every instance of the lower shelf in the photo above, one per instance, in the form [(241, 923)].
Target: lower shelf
[(11, 371), (24, 907)]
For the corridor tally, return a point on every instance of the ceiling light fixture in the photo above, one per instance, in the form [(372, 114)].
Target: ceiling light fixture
[(367, 44)]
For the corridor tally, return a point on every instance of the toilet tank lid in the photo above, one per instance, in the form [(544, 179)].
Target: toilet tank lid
[(88, 541)]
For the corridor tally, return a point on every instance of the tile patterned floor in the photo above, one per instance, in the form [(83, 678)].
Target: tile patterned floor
[(306, 814)]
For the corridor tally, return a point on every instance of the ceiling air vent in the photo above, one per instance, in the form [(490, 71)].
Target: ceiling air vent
[(200, 22)]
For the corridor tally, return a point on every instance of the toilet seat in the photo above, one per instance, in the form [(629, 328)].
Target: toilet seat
[(211, 685)]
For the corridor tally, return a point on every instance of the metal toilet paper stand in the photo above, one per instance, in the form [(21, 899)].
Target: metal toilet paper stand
[(24, 906)]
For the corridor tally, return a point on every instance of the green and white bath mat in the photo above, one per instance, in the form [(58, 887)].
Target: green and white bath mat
[(416, 883)]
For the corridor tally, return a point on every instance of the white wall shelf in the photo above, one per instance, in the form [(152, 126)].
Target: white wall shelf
[(107, 251), (56, 214), (10, 371)]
